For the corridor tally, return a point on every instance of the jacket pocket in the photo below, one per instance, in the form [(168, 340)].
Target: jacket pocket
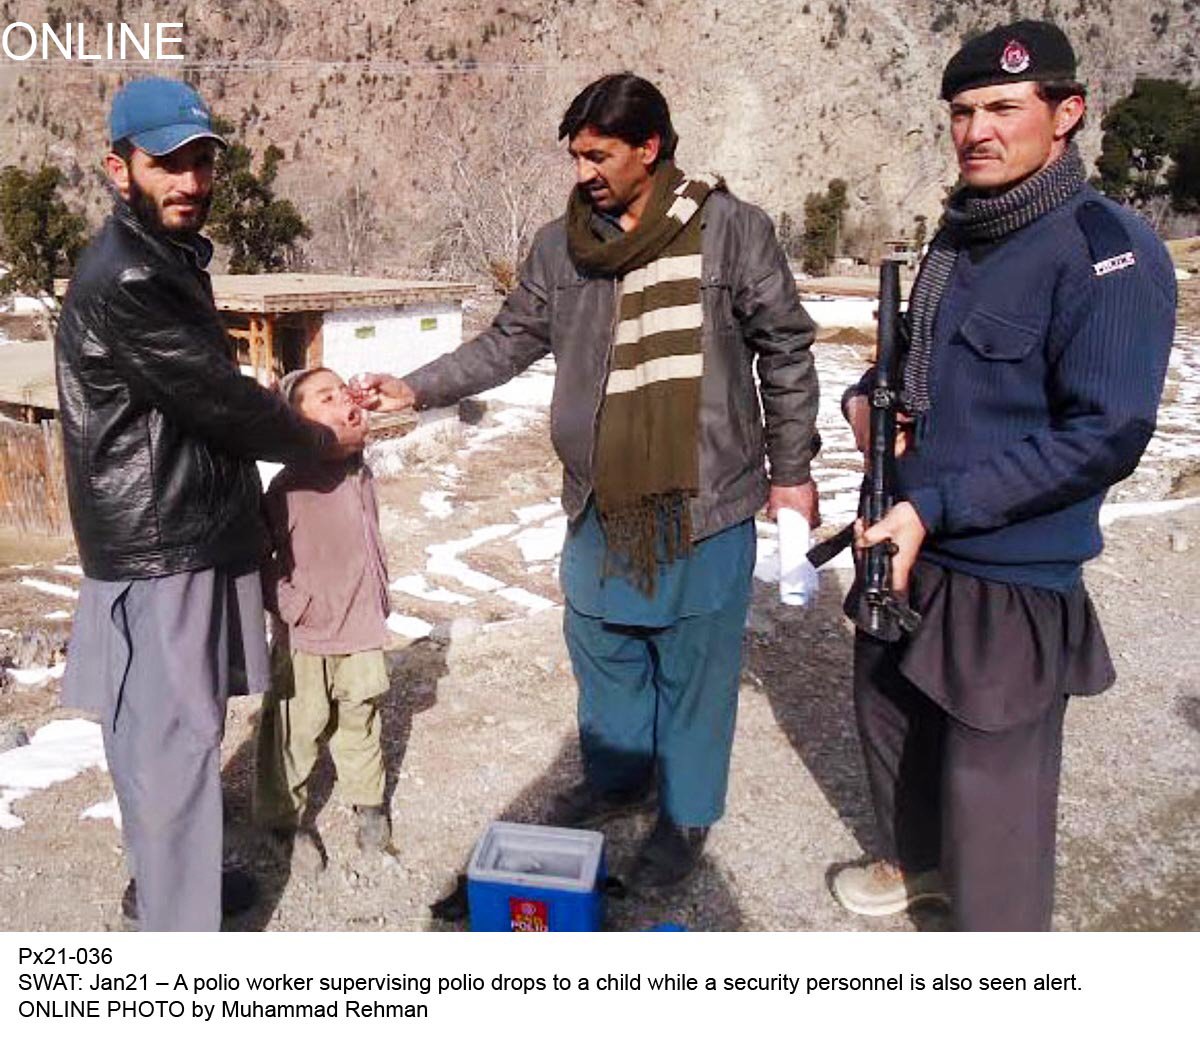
[(997, 338)]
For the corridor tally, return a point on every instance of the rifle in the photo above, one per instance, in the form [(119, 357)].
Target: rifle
[(886, 615)]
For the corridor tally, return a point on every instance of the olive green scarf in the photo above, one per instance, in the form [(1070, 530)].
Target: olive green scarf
[(647, 455)]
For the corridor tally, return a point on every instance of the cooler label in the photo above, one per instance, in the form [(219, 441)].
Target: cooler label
[(527, 914)]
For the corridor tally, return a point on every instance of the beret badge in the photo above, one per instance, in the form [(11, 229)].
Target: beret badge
[(1015, 58)]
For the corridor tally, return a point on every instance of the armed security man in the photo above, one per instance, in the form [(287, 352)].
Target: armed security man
[(655, 292), (160, 432), (1040, 326)]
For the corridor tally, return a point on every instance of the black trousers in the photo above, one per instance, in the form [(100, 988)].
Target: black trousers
[(981, 805)]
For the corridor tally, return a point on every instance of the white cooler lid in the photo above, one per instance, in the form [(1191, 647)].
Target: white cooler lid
[(537, 856)]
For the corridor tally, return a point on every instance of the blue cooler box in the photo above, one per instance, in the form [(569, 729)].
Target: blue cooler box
[(536, 878)]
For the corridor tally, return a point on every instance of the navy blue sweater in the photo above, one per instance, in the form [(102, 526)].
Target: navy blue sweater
[(1048, 364)]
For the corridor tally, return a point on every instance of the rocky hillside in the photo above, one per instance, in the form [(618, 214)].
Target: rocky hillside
[(420, 105)]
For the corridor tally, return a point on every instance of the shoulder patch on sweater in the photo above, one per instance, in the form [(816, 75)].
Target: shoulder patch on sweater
[(1108, 241)]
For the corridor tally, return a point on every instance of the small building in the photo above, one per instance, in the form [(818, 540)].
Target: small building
[(350, 324), (281, 322), (27, 389), (842, 266), (33, 492), (901, 249)]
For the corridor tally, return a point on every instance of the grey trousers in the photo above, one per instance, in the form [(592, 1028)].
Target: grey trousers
[(166, 769), (157, 659), (980, 805)]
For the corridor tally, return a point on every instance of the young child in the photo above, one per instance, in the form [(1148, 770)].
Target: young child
[(327, 582)]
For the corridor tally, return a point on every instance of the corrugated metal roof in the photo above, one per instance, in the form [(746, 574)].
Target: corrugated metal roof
[(284, 293)]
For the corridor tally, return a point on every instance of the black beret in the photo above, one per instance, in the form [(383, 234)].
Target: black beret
[(1014, 53)]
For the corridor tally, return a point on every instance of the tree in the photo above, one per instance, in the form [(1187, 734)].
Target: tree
[(823, 215), (791, 240), (1150, 153), (40, 237), (355, 226), (499, 180), (920, 232), (260, 229)]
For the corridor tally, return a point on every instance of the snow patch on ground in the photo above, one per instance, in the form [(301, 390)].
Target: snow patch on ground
[(50, 588), (35, 675), (533, 513), (444, 561), (506, 422), (531, 389), (1124, 510), (537, 544), (409, 627), (843, 312), (391, 456), (543, 543), (416, 586), (437, 504), (104, 810), (527, 600), (448, 474), (838, 468), (58, 751)]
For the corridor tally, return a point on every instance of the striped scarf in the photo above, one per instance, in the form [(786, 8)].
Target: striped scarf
[(969, 219), (647, 456)]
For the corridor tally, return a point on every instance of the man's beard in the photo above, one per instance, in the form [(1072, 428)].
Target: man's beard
[(150, 217)]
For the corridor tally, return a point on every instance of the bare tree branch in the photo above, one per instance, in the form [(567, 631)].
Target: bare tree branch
[(500, 176)]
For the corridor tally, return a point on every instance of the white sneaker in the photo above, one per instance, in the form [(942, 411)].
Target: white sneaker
[(880, 888)]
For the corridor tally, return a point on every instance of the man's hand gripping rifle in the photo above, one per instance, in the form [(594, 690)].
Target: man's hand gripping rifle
[(886, 615)]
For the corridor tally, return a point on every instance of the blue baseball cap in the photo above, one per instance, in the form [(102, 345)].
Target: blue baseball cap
[(160, 115)]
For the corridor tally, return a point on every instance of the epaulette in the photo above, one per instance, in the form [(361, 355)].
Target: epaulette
[(1108, 241)]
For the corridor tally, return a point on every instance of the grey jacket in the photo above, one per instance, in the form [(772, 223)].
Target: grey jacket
[(751, 311)]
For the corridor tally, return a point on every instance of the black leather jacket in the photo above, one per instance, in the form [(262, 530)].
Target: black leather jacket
[(752, 315), (160, 429)]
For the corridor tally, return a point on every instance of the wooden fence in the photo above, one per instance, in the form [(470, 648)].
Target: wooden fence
[(33, 488)]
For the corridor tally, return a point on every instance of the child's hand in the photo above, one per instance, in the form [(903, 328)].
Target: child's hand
[(377, 392)]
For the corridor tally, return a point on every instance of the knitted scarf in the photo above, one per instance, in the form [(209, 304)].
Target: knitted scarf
[(967, 220), (647, 456)]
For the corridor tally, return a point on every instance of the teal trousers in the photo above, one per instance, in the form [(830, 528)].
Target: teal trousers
[(661, 703)]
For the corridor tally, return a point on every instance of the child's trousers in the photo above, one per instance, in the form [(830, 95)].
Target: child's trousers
[(315, 699)]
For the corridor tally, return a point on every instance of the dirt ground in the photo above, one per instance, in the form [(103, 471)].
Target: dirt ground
[(1189, 303), (479, 724)]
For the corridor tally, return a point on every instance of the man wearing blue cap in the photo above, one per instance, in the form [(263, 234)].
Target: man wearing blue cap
[(160, 432), (1040, 325)]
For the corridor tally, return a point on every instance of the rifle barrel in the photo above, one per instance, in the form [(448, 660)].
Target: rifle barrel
[(877, 578)]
